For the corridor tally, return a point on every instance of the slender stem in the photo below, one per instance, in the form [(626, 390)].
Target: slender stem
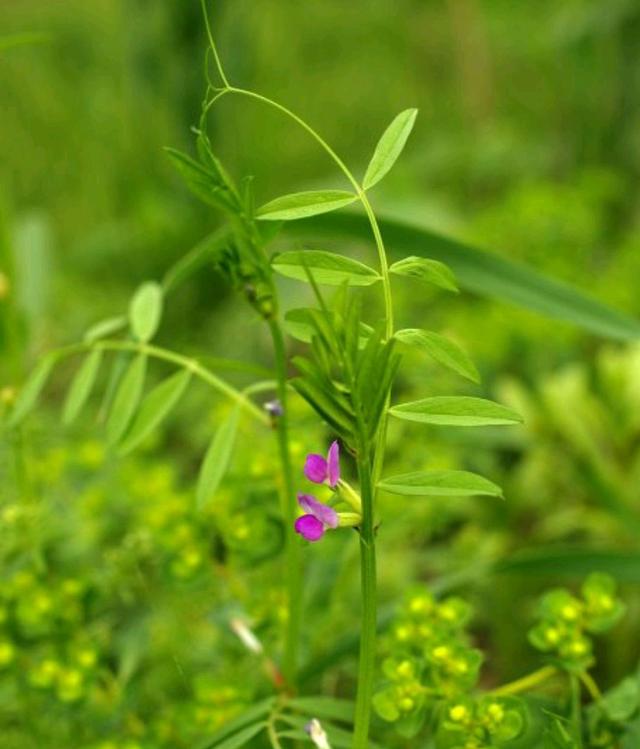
[(272, 731), (212, 45), (527, 682), (591, 686), (366, 665), (293, 570), (174, 358), (576, 708)]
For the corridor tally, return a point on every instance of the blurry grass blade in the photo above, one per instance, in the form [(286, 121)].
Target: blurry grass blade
[(145, 311), (305, 204), (424, 269), (389, 147), (247, 718), (573, 563), (30, 393), (440, 484), (484, 273), (105, 328), (240, 739), (126, 399), (216, 460), (155, 408), (441, 349), (324, 707), (206, 251), (81, 386), (325, 267), (454, 410)]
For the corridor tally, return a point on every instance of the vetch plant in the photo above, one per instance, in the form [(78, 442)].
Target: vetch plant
[(346, 375)]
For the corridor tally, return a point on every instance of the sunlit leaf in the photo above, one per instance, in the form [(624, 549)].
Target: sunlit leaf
[(216, 460), (424, 269), (441, 349), (155, 408), (145, 311), (389, 147), (305, 204), (126, 399), (461, 411), (325, 268), (28, 396), (81, 386), (439, 484)]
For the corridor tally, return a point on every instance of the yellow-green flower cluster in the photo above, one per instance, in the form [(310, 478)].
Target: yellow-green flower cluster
[(566, 621), (431, 656), (480, 723), (435, 633)]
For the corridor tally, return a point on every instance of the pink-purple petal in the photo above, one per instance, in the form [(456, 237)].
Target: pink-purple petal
[(325, 514), (315, 468), (333, 464), (309, 527)]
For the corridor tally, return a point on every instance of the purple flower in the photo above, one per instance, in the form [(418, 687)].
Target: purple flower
[(321, 471), (318, 518), (274, 408)]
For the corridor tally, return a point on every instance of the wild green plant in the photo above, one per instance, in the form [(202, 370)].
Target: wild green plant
[(346, 376)]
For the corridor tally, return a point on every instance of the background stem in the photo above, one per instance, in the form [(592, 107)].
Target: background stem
[(293, 572), (366, 666)]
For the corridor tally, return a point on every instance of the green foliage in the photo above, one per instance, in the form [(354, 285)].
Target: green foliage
[(325, 267), (81, 386), (154, 408), (305, 204), (441, 349), (456, 411), (389, 147), (439, 484), (429, 271), (126, 399), (216, 459), (145, 311)]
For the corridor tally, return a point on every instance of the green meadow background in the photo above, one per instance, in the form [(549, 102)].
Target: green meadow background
[(527, 145)]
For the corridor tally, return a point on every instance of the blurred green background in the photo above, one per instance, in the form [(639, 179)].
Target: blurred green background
[(527, 143)]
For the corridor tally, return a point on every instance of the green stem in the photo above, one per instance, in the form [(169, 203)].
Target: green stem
[(212, 45), (366, 665), (172, 357), (293, 570), (576, 708), (526, 683), (591, 686)]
